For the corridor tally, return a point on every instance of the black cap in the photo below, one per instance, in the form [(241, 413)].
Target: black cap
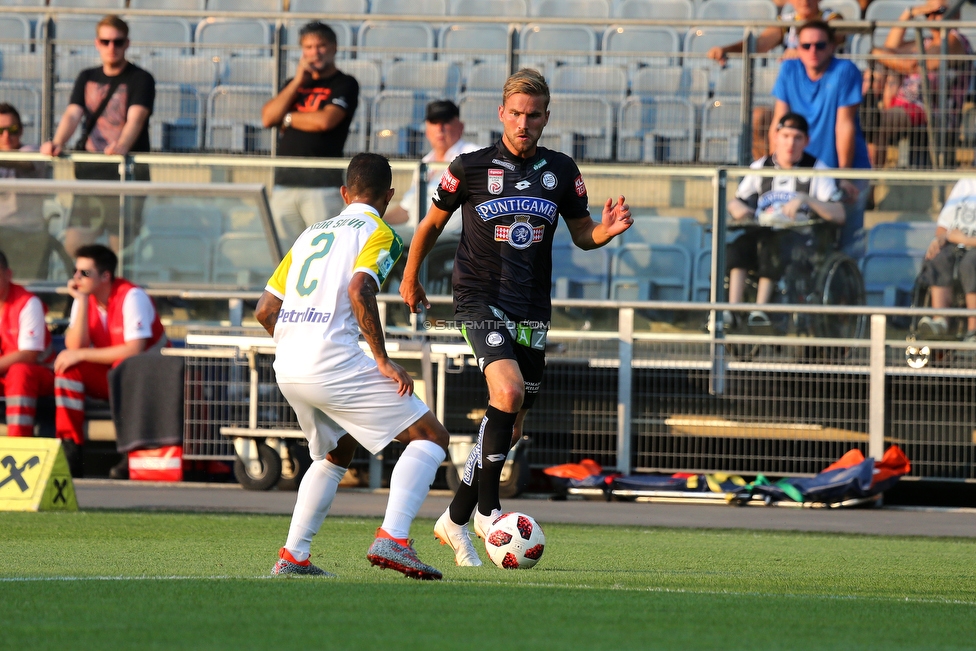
[(794, 121), (442, 110)]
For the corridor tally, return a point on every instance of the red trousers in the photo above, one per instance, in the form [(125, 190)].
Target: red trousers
[(22, 385), (70, 389)]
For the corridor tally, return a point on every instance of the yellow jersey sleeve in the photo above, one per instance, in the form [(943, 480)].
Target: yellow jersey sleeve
[(279, 279), (381, 252)]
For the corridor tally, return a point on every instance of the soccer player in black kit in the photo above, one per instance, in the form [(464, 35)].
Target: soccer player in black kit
[(510, 195)]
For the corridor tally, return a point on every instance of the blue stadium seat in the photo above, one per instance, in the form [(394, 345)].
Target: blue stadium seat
[(580, 126), (15, 33), (901, 237), (409, 7), (577, 273), (721, 130), (889, 277), (606, 80), (655, 9), (647, 272), (656, 130), (494, 8), (569, 8), (737, 10)]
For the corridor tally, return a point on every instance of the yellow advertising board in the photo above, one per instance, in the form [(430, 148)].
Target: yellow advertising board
[(34, 476)]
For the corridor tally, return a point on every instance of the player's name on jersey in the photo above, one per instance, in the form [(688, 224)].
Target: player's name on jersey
[(336, 222), (531, 206)]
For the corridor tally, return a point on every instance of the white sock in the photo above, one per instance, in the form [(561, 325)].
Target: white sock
[(409, 485), (315, 495)]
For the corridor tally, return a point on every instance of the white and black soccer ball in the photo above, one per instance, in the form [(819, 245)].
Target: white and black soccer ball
[(515, 541)]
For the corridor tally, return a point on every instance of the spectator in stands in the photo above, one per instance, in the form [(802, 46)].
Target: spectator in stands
[(111, 320), (24, 212), (778, 203), (444, 129), (313, 112), (826, 91), (769, 38), (954, 243), (895, 103), (115, 101), (25, 353)]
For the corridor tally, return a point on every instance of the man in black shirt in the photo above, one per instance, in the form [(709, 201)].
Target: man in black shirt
[(115, 100), (510, 195), (313, 112)]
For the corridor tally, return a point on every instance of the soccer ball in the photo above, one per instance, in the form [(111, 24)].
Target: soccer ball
[(515, 541)]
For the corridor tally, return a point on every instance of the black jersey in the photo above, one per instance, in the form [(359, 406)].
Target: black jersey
[(509, 210)]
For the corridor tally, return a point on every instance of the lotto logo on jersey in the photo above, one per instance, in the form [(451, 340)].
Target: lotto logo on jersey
[(449, 182), (496, 181), (580, 187)]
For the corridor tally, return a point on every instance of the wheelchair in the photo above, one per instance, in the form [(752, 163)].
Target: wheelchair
[(918, 356), (817, 275)]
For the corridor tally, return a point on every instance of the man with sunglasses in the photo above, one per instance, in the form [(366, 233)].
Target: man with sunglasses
[(111, 320), (113, 102), (826, 91), (24, 212), (25, 353)]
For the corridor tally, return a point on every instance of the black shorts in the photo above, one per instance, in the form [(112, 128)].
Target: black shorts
[(764, 251), (940, 270), (498, 336)]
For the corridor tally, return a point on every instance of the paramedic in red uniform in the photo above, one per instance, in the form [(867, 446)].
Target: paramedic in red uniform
[(25, 353), (111, 320)]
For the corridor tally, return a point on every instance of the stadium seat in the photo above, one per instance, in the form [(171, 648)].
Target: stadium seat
[(329, 7), (248, 71), (409, 7), (848, 9), (66, 68), (699, 40), (15, 33), (636, 46), (889, 277), (235, 36), (657, 130), (89, 4), (546, 46), (479, 112), (728, 84), (655, 9), (200, 220), (685, 232), (471, 43), (888, 10), (606, 80), (900, 237), (171, 257), (494, 8), (367, 74), (73, 34), (242, 259), (646, 272), (177, 120), (577, 273), (397, 124), (663, 83), (26, 96), (701, 281), (358, 137), (580, 126), (234, 119), (165, 33), (173, 5), (433, 79), (390, 42), (270, 6), (25, 3), (721, 130), (737, 10), (203, 72), (15, 66), (569, 8), (486, 77)]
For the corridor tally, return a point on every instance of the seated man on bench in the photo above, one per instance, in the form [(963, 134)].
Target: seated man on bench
[(777, 203), (111, 320), (955, 235)]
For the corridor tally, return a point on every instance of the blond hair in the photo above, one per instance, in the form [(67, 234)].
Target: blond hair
[(115, 22), (526, 82)]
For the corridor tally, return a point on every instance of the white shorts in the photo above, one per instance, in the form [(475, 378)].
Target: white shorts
[(366, 405)]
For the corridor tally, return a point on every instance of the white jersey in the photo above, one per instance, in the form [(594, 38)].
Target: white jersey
[(138, 315), (959, 211), (409, 200), (317, 334)]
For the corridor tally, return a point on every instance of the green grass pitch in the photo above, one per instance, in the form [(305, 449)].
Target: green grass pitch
[(110, 580)]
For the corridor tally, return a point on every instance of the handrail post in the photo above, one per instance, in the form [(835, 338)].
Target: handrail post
[(876, 395), (716, 378), (625, 340)]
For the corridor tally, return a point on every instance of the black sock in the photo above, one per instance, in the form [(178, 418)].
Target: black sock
[(495, 444), (465, 499)]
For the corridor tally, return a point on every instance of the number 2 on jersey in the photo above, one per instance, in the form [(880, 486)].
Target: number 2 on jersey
[(304, 287)]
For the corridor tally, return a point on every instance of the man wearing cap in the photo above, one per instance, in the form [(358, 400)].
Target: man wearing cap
[(444, 129), (777, 204)]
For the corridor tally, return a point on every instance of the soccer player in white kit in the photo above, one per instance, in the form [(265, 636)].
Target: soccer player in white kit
[(319, 300)]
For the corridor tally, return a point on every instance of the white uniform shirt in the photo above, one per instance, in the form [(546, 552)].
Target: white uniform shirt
[(409, 201), (138, 315), (959, 211), (317, 334), (32, 327), (783, 189)]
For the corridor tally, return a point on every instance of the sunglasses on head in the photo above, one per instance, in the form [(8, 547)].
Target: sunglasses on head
[(85, 273), (819, 45), (13, 130), (117, 42)]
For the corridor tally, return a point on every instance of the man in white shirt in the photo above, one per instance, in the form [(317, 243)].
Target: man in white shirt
[(444, 129)]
